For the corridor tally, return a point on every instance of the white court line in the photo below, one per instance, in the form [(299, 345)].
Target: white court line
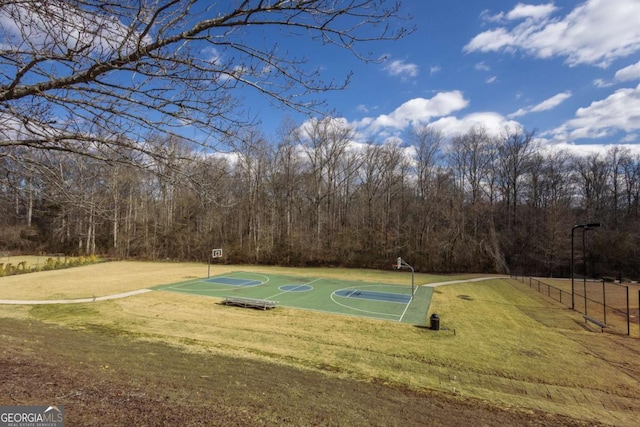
[(359, 309), (405, 309), (180, 285), (290, 290), (267, 278)]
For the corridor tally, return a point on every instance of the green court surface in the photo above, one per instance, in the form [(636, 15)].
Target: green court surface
[(367, 299)]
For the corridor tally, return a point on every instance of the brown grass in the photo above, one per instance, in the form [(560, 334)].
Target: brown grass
[(501, 341), (96, 280)]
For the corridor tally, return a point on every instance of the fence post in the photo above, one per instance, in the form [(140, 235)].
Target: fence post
[(628, 317), (585, 294), (604, 303), (560, 296)]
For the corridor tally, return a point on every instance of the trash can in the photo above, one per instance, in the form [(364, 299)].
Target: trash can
[(435, 322)]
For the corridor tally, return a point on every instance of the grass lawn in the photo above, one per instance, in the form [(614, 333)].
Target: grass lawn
[(501, 342)]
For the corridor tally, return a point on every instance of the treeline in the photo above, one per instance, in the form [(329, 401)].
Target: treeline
[(472, 203)]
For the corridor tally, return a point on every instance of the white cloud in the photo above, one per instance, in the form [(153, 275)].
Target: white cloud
[(522, 11), (581, 150), (328, 124), (547, 104), (435, 69), (493, 123), (211, 55), (632, 72), (595, 32), (633, 138), (486, 16), (14, 129), (56, 27), (620, 111), (401, 68), (481, 66), (552, 102), (602, 83), (492, 79), (419, 110), (493, 40)]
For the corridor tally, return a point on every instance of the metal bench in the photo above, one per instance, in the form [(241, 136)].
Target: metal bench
[(595, 322), (263, 304)]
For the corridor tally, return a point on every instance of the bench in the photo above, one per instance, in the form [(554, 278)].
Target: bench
[(263, 304), (595, 322)]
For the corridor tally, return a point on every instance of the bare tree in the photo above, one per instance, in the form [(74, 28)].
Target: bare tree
[(616, 158), (592, 174), (427, 164), (371, 176), (515, 151), (631, 178), (427, 143), (252, 169), (323, 143), (95, 77), (471, 156)]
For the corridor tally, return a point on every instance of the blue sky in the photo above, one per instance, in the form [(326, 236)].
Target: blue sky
[(568, 70)]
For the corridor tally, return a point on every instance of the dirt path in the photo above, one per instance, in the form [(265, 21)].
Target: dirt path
[(453, 282), (75, 300)]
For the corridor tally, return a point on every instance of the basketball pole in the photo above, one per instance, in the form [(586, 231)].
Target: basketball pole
[(215, 253), (403, 263)]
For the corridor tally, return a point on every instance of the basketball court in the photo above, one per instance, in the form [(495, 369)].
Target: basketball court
[(365, 299)]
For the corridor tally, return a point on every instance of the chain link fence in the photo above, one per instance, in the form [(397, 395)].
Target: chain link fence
[(613, 304)]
